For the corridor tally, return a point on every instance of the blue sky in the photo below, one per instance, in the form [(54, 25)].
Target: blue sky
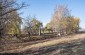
[(44, 9)]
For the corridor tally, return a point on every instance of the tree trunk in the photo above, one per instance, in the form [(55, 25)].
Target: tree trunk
[(39, 31)]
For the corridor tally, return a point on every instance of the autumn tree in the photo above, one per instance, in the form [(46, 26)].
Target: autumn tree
[(14, 24), (60, 14), (36, 25), (48, 28), (73, 24), (76, 24), (62, 21), (6, 7)]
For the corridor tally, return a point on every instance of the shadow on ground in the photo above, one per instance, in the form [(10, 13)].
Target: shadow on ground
[(72, 48)]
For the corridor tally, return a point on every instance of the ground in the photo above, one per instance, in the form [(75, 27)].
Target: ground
[(70, 45)]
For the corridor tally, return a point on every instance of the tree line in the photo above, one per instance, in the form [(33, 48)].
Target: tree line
[(62, 22), (10, 22)]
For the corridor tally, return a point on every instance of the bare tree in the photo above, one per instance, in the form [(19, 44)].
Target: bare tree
[(32, 26), (6, 5), (27, 26)]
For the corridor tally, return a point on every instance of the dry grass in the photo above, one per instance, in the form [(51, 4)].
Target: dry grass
[(48, 43)]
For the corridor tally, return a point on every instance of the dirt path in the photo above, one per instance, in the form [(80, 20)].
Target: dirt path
[(48, 43)]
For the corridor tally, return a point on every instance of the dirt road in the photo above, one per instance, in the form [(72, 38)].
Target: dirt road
[(62, 46)]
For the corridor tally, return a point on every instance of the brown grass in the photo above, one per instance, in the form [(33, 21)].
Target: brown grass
[(48, 43)]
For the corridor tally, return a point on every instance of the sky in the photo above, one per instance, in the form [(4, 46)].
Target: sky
[(43, 10)]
